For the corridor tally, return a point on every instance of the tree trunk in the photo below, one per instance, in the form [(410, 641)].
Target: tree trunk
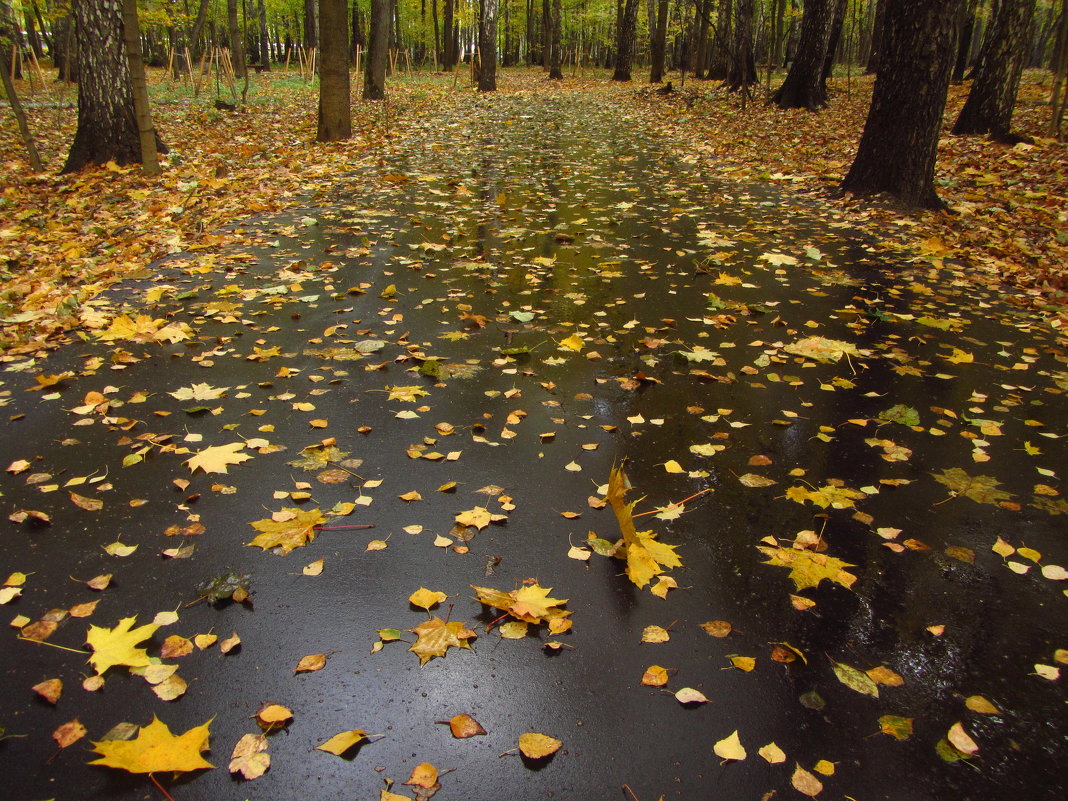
[(702, 11), (804, 87), (546, 34), (374, 82), (719, 65), (556, 71), (532, 50), (838, 8), (437, 32), (311, 24), (449, 39), (988, 109), (627, 21), (876, 38), (20, 118), (335, 118), (900, 141), (487, 46), (964, 46), (742, 73), (237, 46), (135, 62), (658, 44), (265, 50)]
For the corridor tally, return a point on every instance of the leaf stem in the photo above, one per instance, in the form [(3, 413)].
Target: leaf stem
[(53, 645), (160, 787)]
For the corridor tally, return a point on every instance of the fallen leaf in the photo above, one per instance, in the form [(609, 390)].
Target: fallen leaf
[(344, 741), (250, 757), (117, 646), (435, 637), (156, 750), (534, 745), (730, 748)]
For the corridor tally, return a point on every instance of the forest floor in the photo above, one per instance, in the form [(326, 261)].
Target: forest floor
[(65, 238)]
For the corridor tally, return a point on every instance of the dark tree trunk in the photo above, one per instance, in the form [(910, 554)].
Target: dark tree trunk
[(658, 44), (900, 141), (198, 28), (131, 30), (32, 36), (720, 64), (964, 46), (311, 24), (546, 34), (449, 49), (532, 35), (374, 82), (265, 51), (487, 46), (876, 38), (804, 87), (107, 128), (837, 22), (556, 70), (335, 118), (357, 39), (700, 65), (628, 20), (237, 46), (988, 109), (742, 72)]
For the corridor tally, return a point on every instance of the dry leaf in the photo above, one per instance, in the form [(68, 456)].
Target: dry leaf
[(250, 757), (538, 746)]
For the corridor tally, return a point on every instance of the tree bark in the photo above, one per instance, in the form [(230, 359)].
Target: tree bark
[(900, 141), (719, 64), (335, 116), (65, 51), (265, 50), (658, 44), (838, 13), (964, 45), (804, 87), (198, 28), (556, 69), (487, 46), (742, 73), (988, 109), (449, 38), (627, 21), (146, 131), (107, 128), (311, 23), (374, 82), (237, 46), (876, 38)]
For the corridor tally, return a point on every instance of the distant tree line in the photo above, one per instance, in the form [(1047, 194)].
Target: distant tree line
[(915, 47)]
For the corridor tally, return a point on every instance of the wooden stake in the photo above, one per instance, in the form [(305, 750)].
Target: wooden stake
[(200, 74), (300, 59), (359, 57), (170, 64), (289, 52), (408, 62)]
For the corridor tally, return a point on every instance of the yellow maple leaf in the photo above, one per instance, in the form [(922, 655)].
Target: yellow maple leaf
[(295, 528), (646, 557), (436, 636), (156, 750), (532, 603), (808, 568), (217, 458), (822, 349), (117, 646), (425, 598), (527, 604)]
